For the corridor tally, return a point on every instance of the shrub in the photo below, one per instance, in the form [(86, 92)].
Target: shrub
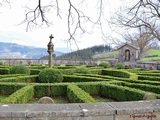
[(67, 71), (82, 69), (34, 71), (116, 73), (4, 71), (1, 63), (104, 64), (22, 95), (77, 95), (50, 75), (120, 66), (19, 69)]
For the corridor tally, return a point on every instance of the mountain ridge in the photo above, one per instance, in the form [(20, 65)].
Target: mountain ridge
[(14, 50)]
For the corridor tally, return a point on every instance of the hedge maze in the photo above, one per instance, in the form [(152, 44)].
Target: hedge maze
[(80, 84)]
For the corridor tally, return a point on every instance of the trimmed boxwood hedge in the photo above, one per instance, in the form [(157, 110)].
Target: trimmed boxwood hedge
[(77, 95), (152, 78), (116, 73), (75, 78), (4, 71), (121, 93), (144, 87), (19, 69), (9, 88), (22, 95), (26, 79), (59, 89), (90, 87)]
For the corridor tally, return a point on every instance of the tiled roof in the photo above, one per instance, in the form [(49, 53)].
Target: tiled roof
[(128, 45)]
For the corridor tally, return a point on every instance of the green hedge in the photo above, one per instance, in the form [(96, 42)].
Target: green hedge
[(26, 79), (93, 88), (121, 93), (50, 90), (34, 71), (21, 96), (19, 69), (4, 71), (10, 75), (75, 78), (67, 71), (144, 87), (65, 67), (116, 73), (39, 67), (151, 78), (150, 74), (77, 95), (9, 88)]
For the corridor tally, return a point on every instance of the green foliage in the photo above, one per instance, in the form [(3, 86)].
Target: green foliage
[(9, 88), (50, 75), (90, 87), (1, 63), (77, 95), (4, 71), (75, 78), (19, 69), (152, 78), (39, 67), (121, 93), (21, 96), (85, 53), (67, 71), (21, 79), (120, 66), (82, 69), (104, 64), (144, 87), (34, 71), (116, 73), (59, 89), (111, 55)]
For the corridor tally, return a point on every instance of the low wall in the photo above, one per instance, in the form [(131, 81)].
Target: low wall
[(137, 110)]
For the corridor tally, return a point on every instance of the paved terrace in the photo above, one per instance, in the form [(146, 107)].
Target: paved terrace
[(136, 110)]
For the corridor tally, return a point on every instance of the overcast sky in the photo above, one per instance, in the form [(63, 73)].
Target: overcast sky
[(10, 31)]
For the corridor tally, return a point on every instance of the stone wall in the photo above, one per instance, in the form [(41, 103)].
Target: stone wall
[(135, 110), (148, 65), (55, 61)]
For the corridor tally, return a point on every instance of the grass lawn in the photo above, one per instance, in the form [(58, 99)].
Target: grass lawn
[(107, 55)]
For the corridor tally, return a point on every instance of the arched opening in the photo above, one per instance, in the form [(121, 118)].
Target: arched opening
[(127, 55)]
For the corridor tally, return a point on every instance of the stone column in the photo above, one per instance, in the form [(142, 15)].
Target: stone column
[(50, 51)]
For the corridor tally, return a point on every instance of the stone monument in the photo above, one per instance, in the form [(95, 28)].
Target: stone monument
[(50, 51)]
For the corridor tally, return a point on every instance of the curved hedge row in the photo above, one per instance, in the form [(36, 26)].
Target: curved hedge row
[(21, 96), (116, 73)]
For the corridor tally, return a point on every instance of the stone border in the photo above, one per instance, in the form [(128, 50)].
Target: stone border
[(134, 110)]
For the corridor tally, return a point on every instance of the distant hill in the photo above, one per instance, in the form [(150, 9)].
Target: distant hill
[(106, 55), (87, 53), (13, 50)]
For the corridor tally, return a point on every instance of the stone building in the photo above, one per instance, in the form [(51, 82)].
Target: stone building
[(128, 53)]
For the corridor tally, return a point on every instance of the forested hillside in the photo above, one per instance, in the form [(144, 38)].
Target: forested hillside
[(86, 53)]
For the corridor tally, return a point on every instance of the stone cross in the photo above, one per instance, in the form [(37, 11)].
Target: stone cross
[(51, 37)]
